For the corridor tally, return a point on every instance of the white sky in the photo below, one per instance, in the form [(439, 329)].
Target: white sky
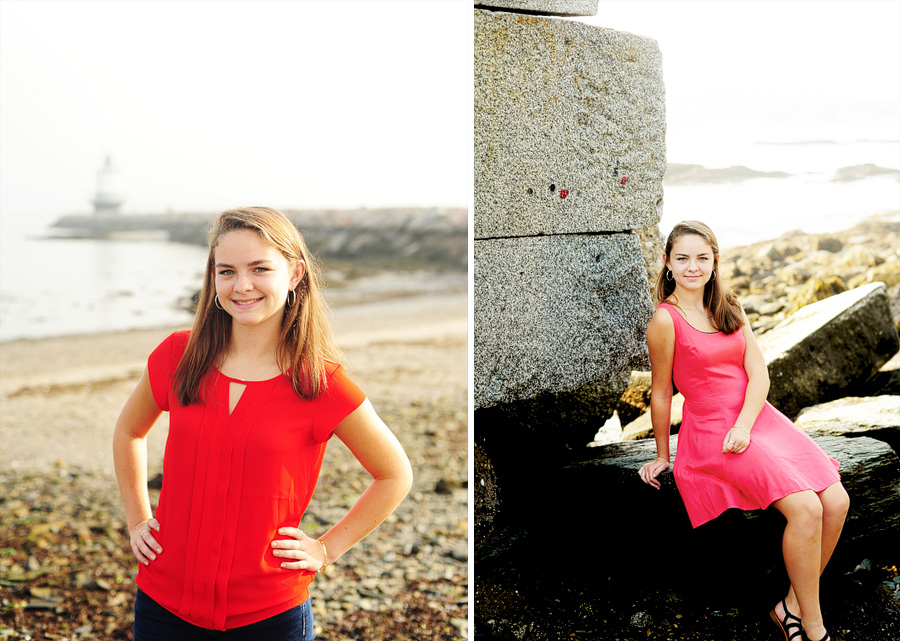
[(771, 69), (205, 105)]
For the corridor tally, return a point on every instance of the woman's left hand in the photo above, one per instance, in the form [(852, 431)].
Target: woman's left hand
[(736, 441), (299, 552)]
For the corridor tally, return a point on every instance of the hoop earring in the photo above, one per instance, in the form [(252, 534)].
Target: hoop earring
[(218, 304), (291, 299), (669, 275), (713, 276)]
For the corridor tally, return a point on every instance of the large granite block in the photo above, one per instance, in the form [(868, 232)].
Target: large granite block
[(549, 7), (555, 313), (569, 127)]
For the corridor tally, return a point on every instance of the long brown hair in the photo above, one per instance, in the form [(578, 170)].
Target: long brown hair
[(306, 340), (718, 299)]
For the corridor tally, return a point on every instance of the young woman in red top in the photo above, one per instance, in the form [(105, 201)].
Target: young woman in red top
[(254, 392)]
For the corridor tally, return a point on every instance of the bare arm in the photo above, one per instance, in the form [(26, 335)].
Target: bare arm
[(754, 397), (130, 455), (380, 453), (661, 342)]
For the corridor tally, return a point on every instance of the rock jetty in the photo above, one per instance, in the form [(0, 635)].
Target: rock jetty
[(434, 235)]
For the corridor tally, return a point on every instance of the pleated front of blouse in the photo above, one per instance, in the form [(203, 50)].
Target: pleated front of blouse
[(229, 483)]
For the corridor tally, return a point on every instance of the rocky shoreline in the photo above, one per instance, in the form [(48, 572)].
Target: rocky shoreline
[(775, 278)]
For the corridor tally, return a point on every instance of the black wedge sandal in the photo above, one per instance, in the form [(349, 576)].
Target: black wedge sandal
[(827, 637), (785, 624)]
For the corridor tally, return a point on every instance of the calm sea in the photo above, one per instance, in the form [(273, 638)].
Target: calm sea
[(64, 287)]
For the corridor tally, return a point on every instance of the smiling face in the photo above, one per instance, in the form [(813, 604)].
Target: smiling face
[(253, 278), (691, 261)]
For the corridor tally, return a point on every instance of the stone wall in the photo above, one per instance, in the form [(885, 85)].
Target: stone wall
[(569, 162)]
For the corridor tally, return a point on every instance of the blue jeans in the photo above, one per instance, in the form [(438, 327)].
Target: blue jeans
[(152, 622)]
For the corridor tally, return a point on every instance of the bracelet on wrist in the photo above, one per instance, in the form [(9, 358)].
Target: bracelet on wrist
[(325, 554), (743, 429)]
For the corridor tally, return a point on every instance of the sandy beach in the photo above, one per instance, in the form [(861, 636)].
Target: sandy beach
[(404, 340)]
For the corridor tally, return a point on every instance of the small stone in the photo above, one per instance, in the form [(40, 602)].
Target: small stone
[(641, 620)]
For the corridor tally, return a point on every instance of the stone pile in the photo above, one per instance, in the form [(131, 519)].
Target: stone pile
[(776, 278)]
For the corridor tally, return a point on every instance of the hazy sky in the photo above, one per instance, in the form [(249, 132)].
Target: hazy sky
[(771, 69), (207, 105)]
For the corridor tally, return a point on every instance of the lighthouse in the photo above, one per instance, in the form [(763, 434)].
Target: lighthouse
[(107, 200)]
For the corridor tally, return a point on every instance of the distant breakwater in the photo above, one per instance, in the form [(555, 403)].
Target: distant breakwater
[(436, 235)]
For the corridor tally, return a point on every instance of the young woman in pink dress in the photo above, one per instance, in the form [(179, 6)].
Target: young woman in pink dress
[(735, 450)]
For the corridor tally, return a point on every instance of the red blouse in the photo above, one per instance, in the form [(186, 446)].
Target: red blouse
[(230, 482)]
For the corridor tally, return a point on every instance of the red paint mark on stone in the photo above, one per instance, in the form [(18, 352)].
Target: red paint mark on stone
[(563, 193), (624, 179)]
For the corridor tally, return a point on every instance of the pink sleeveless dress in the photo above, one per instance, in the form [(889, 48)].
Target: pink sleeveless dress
[(708, 370)]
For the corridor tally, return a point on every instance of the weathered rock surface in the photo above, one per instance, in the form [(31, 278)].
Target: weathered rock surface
[(487, 499), (569, 127), (608, 507), (828, 346), (556, 313), (653, 245), (548, 7), (877, 417), (635, 400), (870, 471), (564, 422)]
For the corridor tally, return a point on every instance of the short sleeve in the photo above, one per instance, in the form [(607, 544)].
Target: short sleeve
[(336, 403), (161, 366)]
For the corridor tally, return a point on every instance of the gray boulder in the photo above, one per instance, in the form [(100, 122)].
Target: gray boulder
[(569, 128), (816, 354), (566, 421), (548, 7), (870, 471), (875, 416), (556, 313)]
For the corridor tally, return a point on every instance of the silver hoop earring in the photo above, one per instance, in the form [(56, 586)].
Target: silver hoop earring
[(669, 275), (218, 304), (713, 276), (291, 299)]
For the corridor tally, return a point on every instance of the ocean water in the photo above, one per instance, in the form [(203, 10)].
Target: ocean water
[(809, 199), (51, 287)]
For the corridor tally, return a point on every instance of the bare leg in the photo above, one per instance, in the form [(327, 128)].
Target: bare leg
[(834, 504)]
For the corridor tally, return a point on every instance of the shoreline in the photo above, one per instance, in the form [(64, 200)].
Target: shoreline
[(61, 395)]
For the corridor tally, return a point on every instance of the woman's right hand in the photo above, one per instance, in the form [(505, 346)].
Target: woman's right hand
[(649, 471), (143, 543)]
